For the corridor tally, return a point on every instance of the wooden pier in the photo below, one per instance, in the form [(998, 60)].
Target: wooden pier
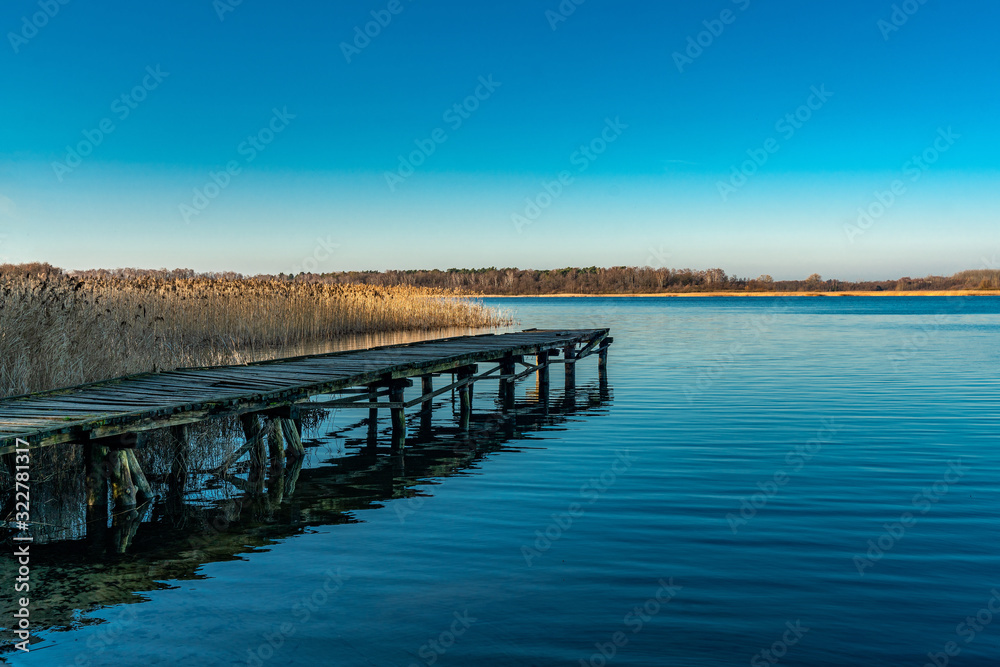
[(107, 417)]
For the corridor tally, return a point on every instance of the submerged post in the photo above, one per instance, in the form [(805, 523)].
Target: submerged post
[(507, 382), (258, 452), (602, 366), (427, 405), (275, 441), (142, 486), (95, 457), (465, 397), (398, 414), (179, 463), (372, 416), (569, 353), (122, 488), (290, 428), (542, 376)]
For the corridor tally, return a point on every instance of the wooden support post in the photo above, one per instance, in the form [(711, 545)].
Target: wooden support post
[(142, 487), (179, 464), (602, 367), (507, 385), (465, 398), (95, 458), (122, 488), (542, 376), (275, 441), (398, 414), (426, 407), (258, 451), (293, 437), (569, 353), (95, 462), (372, 416)]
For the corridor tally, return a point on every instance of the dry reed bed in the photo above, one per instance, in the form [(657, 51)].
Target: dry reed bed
[(61, 331)]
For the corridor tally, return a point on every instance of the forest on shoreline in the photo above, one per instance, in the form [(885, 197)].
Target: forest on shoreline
[(588, 280)]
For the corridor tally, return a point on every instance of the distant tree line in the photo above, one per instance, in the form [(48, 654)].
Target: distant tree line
[(588, 280), (637, 280)]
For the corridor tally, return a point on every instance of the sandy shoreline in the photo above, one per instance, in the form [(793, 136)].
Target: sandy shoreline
[(752, 294)]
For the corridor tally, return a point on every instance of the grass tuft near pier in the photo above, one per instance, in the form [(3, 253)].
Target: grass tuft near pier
[(58, 330)]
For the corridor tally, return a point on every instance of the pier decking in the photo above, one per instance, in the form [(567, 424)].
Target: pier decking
[(268, 397), (116, 408)]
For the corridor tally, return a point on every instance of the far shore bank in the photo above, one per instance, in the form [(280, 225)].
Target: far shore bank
[(764, 294)]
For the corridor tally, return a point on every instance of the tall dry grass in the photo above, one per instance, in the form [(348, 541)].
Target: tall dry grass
[(58, 331)]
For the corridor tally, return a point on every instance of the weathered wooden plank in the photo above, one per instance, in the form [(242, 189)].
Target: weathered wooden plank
[(154, 400)]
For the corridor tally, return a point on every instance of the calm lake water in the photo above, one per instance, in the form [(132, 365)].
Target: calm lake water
[(806, 481)]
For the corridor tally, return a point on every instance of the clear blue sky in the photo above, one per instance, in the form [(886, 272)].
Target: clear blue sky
[(662, 192)]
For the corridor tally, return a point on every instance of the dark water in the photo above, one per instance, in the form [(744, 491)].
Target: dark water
[(795, 482)]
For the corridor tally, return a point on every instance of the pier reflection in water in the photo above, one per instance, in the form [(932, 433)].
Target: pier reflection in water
[(223, 508)]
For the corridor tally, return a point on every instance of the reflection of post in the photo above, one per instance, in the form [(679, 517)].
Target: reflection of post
[(276, 484), (292, 476), (465, 397), (398, 414), (507, 383), (123, 528), (542, 376)]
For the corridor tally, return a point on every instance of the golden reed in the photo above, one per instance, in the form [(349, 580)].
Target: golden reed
[(58, 331)]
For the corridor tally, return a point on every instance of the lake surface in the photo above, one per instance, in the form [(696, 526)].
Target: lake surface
[(803, 481)]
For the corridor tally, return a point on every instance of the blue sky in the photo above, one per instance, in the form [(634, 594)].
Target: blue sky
[(736, 134)]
